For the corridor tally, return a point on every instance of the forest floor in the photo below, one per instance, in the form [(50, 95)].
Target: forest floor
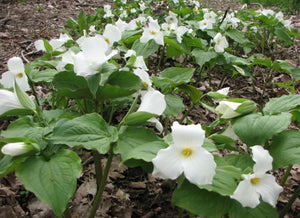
[(130, 192)]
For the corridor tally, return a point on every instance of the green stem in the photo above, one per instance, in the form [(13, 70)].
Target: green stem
[(34, 93), (98, 167), (286, 175), (131, 109), (161, 57), (289, 204), (166, 125), (97, 198), (186, 113)]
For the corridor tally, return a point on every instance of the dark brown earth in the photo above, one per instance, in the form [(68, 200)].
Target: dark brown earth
[(129, 192)]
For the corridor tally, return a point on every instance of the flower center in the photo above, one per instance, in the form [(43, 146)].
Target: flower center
[(152, 32), (19, 75), (255, 180), (145, 84), (187, 152), (107, 40)]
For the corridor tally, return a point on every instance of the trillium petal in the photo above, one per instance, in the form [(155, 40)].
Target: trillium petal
[(158, 124), (246, 193), (82, 65), (159, 38), (8, 101), (199, 167), (23, 83), (269, 189), (146, 36), (15, 149), (168, 163), (112, 34), (7, 79), (227, 109), (187, 135), (15, 65), (94, 48), (144, 76), (153, 102), (263, 160)]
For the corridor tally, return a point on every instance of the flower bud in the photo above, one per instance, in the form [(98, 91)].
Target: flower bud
[(17, 148), (227, 109)]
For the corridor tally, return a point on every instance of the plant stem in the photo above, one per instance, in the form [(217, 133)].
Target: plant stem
[(289, 204), (286, 175), (98, 167), (186, 113), (97, 198), (162, 54), (34, 93)]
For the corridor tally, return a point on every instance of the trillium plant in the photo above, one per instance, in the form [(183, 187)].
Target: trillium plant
[(127, 83)]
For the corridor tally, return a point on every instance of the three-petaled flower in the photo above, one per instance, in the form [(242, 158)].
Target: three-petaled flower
[(152, 32), (186, 155), (259, 183)]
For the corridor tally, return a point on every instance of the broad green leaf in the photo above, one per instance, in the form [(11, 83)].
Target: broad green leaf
[(209, 145), (239, 70), (8, 164), (200, 201), (138, 143), (43, 75), (89, 131), (242, 161), (255, 129), (296, 73), (52, 181), (192, 92), (202, 57), (145, 49), (174, 49), (24, 99), (70, 85), (281, 104), (178, 75), (282, 35), (237, 36), (93, 83), (47, 46), (138, 118), (285, 149), (264, 210), (174, 105), (264, 62)]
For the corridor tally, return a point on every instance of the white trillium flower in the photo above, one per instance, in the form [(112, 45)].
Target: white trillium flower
[(111, 34), (144, 76), (210, 16), (279, 16), (186, 155), (168, 28), (8, 101), (108, 13), (258, 184), (121, 25), (227, 109), (93, 55), (221, 42), (205, 24), (152, 32), (224, 91), (129, 53), (16, 72), (180, 31), (56, 44), (66, 58), (172, 18), (140, 63), (15, 149), (142, 6)]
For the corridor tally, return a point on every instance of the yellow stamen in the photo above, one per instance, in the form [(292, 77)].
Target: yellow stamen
[(107, 40), (187, 152), (146, 84), (255, 180), (153, 32), (19, 75)]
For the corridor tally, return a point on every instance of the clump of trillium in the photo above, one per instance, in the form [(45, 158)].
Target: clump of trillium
[(16, 72), (259, 184), (152, 31), (186, 155)]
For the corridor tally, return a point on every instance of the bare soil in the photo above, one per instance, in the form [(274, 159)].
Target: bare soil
[(130, 192)]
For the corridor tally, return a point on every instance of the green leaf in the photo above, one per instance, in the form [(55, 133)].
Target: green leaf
[(178, 75), (8, 164), (93, 83), (282, 35), (237, 36), (53, 181), (242, 161), (70, 85), (296, 73), (138, 118), (138, 143), (281, 104), (255, 129), (200, 201), (89, 131), (262, 210), (145, 49), (43, 75), (285, 149), (202, 57), (24, 99), (192, 92), (174, 105), (47, 46)]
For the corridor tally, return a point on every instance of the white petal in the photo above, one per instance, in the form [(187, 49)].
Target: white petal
[(146, 36), (8, 101), (269, 189), (159, 38), (227, 109), (15, 149), (7, 79), (158, 124), (140, 63), (82, 65), (94, 48), (167, 163), (263, 160), (23, 83), (15, 65), (199, 167), (153, 102), (39, 45), (143, 75), (187, 135), (224, 91), (246, 193), (112, 33)]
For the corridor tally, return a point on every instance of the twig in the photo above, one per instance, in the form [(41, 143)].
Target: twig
[(22, 53), (5, 19)]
